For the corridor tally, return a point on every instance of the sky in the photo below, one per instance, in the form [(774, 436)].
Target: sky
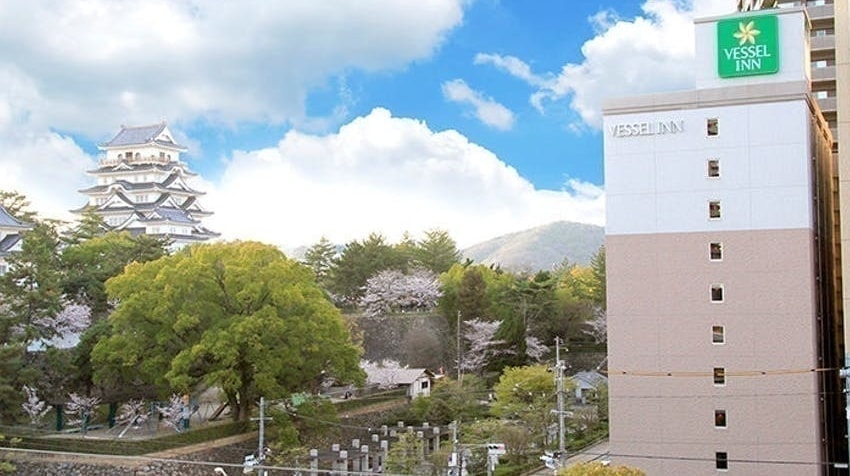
[(339, 118)]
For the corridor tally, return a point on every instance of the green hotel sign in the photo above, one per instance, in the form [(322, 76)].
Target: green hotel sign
[(747, 46)]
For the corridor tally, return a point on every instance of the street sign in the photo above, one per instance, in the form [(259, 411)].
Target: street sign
[(495, 449)]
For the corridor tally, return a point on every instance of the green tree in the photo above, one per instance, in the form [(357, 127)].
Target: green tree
[(90, 262), (599, 469), (527, 394), (30, 296), (437, 251), (320, 258), (90, 225), (597, 266), (17, 205), (472, 295), (240, 316), (358, 262), (450, 401), (6, 466), (406, 455), (31, 288)]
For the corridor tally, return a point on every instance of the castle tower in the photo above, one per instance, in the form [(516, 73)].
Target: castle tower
[(142, 187)]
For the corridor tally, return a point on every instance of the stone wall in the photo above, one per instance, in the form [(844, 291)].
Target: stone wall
[(201, 459), (418, 340)]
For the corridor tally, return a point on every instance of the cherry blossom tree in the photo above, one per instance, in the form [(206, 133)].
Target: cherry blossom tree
[(173, 412), (381, 374), (481, 344), (34, 407), (392, 291), (81, 407), (131, 414), (535, 349)]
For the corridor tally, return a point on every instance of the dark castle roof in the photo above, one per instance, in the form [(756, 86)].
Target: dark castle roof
[(141, 135)]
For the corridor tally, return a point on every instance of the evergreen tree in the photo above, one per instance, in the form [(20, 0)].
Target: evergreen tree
[(320, 258), (438, 251)]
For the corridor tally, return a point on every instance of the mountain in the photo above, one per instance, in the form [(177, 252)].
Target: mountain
[(540, 248)]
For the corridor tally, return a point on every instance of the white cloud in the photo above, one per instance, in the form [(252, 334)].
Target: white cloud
[(45, 166), (385, 174), (487, 110), (86, 67), (252, 60), (650, 53)]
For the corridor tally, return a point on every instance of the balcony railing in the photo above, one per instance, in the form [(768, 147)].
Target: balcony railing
[(821, 43), (826, 73)]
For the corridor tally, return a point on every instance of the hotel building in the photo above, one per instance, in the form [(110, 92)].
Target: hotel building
[(723, 255)]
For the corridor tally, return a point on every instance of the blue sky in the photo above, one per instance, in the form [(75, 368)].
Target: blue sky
[(339, 118)]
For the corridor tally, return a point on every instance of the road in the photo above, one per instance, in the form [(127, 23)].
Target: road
[(599, 451)]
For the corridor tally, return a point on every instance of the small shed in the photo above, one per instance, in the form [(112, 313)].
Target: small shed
[(587, 382)]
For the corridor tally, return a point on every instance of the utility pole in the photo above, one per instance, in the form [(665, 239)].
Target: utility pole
[(455, 453), (845, 374), (261, 445), (559, 384), (459, 352)]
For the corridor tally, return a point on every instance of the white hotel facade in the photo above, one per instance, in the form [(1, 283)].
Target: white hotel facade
[(722, 253)]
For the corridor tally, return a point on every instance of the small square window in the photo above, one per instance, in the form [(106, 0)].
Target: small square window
[(715, 251), (719, 376), (718, 335), (711, 126), (720, 418), (716, 293), (721, 460), (714, 209), (713, 168)]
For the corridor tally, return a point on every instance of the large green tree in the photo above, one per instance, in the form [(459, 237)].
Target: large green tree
[(240, 316)]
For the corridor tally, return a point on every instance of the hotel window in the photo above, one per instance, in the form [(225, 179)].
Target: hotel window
[(711, 126), (716, 293), (720, 418), (714, 209), (821, 94), (713, 168), (718, 335), (819, 64), (719, 376), (721, 460), (715, 251)]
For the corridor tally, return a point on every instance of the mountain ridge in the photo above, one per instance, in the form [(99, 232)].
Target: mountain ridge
[(540, 248)]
